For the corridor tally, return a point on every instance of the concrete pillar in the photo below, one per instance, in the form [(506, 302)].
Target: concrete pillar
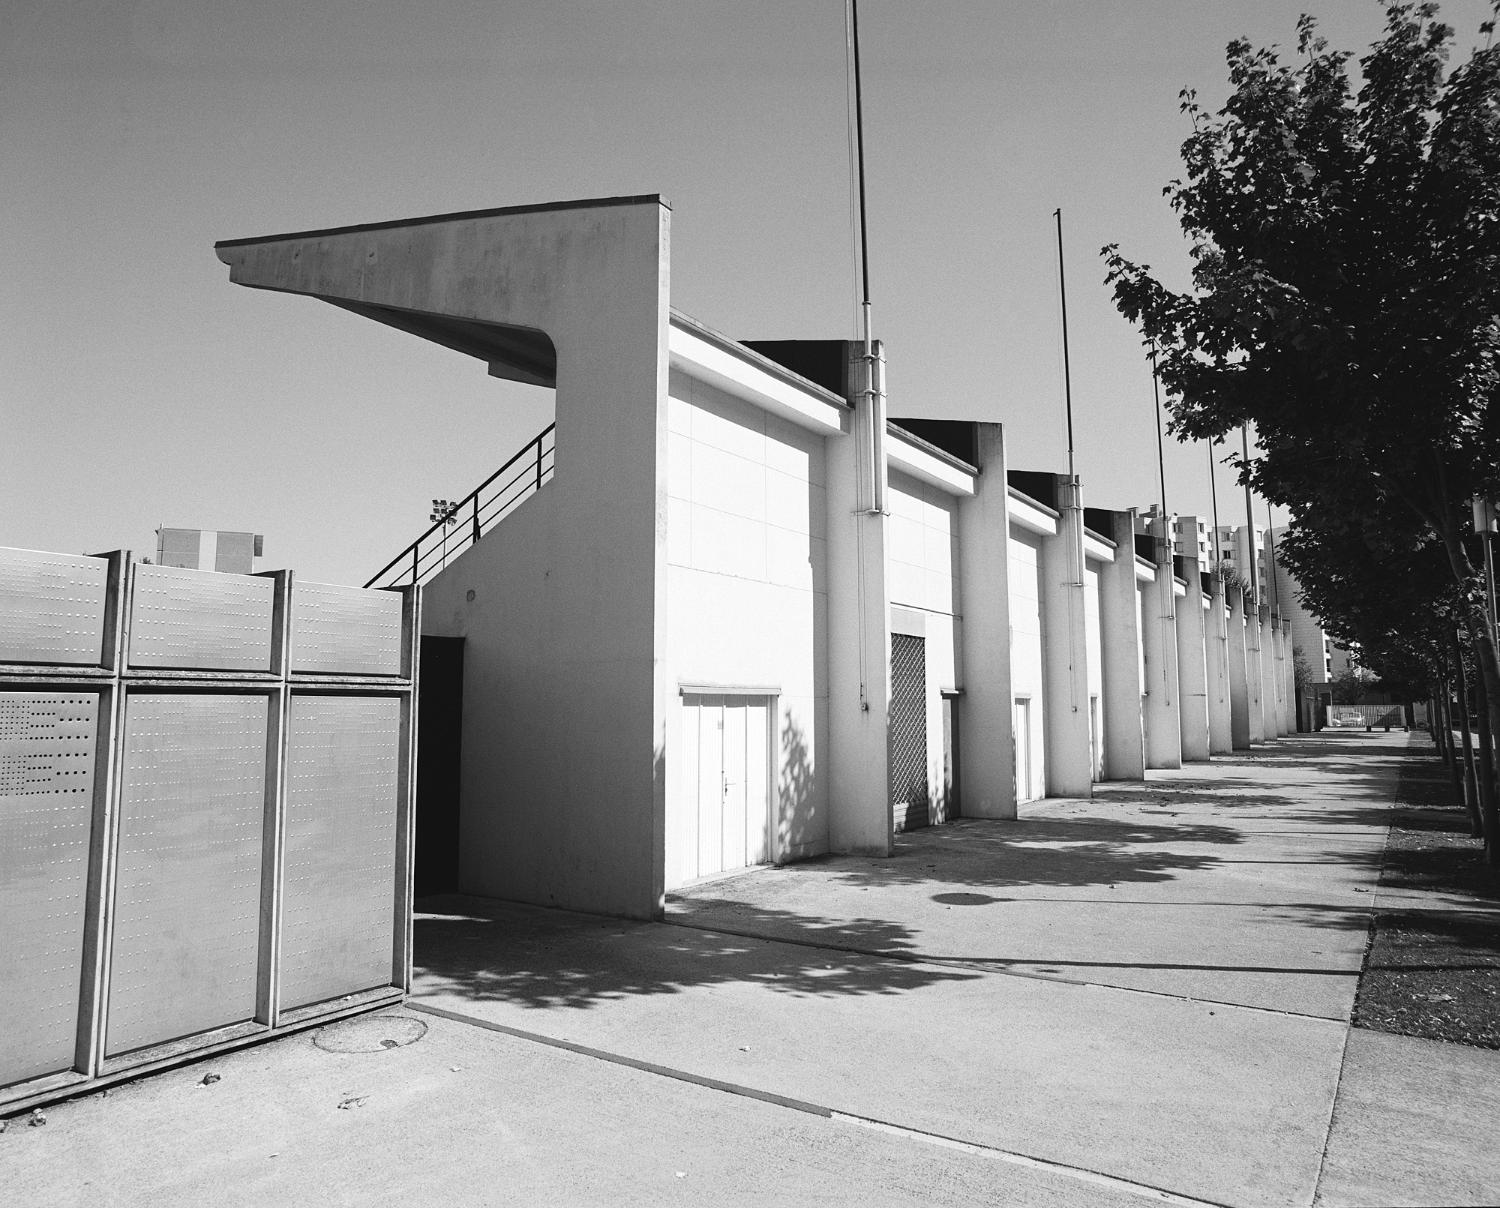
[(1288, 679), (1065, 651), (1159, 639), (1120, 647), (1268, 674), (1238, 644), (1255, 674), (1192, 663), (1220, 724), (985, 717), (1278, 678), (859, 643)]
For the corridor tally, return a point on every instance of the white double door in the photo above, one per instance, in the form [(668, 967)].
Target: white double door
[(723, 818)]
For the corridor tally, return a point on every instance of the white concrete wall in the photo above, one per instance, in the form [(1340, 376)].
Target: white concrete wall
[(859, 647), (563, 605), (986, 766), (1094, 654), (1192, 662), (1124, 745), (1026, 634), (1064, 653), (747, 594), (923, 583)]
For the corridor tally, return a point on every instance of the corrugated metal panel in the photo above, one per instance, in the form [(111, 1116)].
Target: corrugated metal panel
[(47, 744), (196, 619), (345, 630), (51, 607), (187, 895), (342, 795)]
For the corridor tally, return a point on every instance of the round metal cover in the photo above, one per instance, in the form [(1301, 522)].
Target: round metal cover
[(370, 1033)]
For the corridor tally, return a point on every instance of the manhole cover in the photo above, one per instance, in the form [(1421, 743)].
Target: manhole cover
[(370, 1034), (966, 899)]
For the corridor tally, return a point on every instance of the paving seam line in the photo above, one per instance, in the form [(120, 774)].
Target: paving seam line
[(1081, 1173), (1373, 914), (958, 963)]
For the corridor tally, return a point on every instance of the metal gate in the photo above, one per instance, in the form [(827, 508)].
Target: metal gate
[(205, 812), (908, 731)]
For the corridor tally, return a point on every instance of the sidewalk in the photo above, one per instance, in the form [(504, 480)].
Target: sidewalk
[(1139, 998)]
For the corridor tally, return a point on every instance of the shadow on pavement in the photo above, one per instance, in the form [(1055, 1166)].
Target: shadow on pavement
[(541, 958)]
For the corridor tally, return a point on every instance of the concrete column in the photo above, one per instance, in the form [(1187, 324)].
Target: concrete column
[(985, 717), (1192, 662), (1065, 651), (1255, 675), (859, 643), (1288, 679), (1220, 731), (1159, 639), (1268, 674), (1278, 648), (1238, 644), (1120, 649)]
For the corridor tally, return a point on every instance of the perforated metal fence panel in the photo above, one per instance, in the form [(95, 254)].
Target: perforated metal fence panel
[(345, 630), (200, 845), (187, 897), (192, 619), (53, 608), (47, 742), (342, 795), (908, 731)]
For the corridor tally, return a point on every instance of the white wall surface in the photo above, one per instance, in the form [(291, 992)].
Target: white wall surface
[(1095, 658), (747, 594), (1026, 667), (922, 537)]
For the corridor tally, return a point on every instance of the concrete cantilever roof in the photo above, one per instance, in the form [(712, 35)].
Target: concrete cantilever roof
[(519, 353)]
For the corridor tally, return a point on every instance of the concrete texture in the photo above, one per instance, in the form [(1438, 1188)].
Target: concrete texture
[(1145, 1088), (979, 1019), (467, 1117), (1412, 1124)]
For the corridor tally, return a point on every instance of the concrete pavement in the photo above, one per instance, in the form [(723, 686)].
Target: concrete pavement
[(1143, 997)]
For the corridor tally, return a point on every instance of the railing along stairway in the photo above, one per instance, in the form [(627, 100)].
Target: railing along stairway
[(466, 521)]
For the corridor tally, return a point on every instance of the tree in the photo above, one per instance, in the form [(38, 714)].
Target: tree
[(1345, 291)]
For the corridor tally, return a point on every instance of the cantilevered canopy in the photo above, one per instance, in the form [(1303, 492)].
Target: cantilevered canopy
[(464, 280)]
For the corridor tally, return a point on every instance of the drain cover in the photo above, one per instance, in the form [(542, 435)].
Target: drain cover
[(370, 1033)]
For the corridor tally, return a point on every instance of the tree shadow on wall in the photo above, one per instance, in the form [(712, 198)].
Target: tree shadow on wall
[(539, 958), (800, 823)]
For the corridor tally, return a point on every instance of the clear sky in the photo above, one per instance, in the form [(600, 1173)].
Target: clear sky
[(139, 388)]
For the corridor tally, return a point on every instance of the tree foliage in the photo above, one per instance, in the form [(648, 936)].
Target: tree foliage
[(1345, 248)]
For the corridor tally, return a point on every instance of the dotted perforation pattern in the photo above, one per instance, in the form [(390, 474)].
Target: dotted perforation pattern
[(51, 607), (201, 619), (187, 897), (338, 913), (345, 630), (47, 744)]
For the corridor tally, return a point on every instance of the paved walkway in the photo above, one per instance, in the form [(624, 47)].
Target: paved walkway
[(1139, 998)]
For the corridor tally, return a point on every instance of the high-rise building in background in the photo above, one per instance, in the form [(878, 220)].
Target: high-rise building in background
[(208, 549)]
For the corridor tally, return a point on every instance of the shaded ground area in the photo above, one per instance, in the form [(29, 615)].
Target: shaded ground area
[(1433, 968)]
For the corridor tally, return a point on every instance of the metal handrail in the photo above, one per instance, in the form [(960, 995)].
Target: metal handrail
[(533, 474)]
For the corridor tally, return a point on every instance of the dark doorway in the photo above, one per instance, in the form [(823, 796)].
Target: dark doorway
[(951, 806), (440, 704)]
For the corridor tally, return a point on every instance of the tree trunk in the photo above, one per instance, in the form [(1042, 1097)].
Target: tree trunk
[(1470, 779), (1479, 622), (1487, 775)]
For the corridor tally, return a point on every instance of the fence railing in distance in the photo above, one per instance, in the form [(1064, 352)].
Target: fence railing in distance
[(474, 515)]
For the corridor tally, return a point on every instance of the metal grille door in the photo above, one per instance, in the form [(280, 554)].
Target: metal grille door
[(908, 730)]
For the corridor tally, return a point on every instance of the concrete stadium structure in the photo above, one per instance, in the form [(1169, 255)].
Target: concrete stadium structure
[(749, 619)]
